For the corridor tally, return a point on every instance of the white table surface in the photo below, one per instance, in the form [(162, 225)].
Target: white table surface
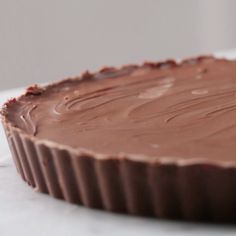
[(25, 212)]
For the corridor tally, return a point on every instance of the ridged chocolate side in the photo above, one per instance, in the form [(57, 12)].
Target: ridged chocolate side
[(197, 192)]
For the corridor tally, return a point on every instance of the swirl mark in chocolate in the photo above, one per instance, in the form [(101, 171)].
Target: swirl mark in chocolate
[(27, 120)]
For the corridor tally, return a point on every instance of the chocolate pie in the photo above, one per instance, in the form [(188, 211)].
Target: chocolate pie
[(157, 139)]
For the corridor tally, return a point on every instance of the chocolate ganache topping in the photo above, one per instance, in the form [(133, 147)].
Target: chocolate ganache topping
[(169, 110)]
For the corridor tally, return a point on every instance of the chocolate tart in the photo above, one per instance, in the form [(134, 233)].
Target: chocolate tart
[(157, 139)]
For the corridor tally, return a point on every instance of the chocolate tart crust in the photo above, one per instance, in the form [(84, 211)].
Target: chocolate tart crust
[(195, 191)]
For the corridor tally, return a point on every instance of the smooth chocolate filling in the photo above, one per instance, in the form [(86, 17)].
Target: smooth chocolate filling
[(156, 110)]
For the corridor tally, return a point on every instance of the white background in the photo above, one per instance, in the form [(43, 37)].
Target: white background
[(45, 40)]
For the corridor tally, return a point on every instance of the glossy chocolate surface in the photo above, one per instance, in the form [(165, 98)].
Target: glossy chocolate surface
[(185, 111)]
